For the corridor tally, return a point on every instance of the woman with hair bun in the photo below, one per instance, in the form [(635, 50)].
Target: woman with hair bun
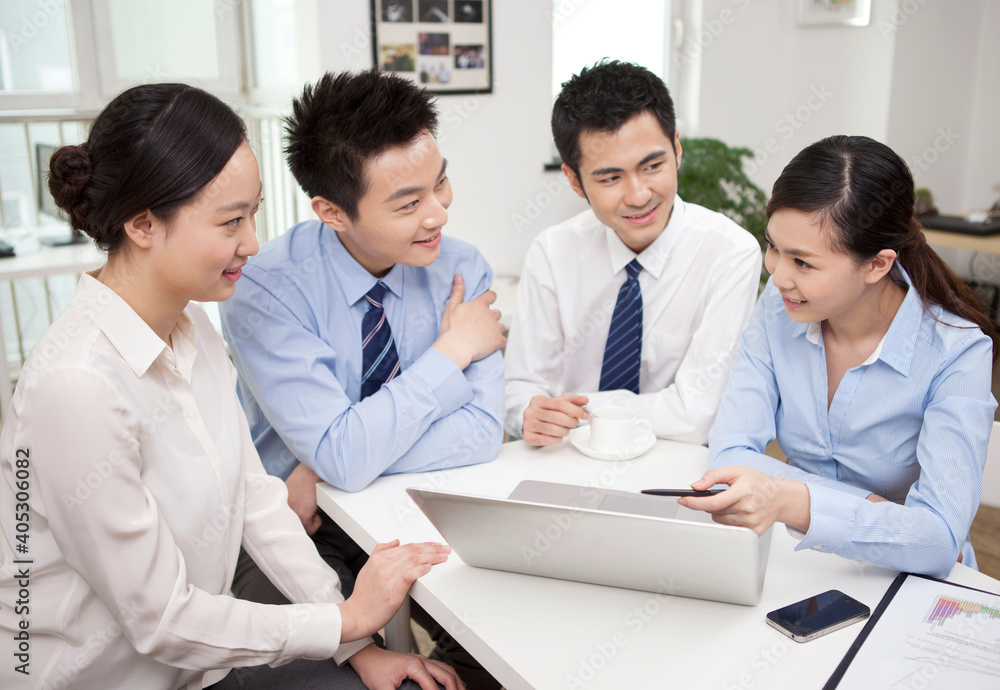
[(870, 362), (128, 478)]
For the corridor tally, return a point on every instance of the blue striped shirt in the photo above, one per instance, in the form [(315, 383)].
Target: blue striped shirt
[(911, 424)]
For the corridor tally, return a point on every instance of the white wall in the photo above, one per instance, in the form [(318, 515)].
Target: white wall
[(982, 171), (923, 77), (495, 143), (775, 87), (934, 95)]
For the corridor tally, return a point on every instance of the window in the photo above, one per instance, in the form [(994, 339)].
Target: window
[(80, 53), (194, 41), (584, 31), (273, 39), (35, 54), (46, 55)]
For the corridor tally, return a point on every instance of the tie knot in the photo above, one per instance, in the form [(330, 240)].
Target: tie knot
[(376, 294), (633, 268)]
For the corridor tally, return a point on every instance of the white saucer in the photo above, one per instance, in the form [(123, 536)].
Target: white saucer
[(580, 438)]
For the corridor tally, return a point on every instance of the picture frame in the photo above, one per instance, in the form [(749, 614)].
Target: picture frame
[(834, 12), (445, 46)]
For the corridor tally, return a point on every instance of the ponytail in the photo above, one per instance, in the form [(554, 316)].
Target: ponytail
[(937, 284), (865, 191)]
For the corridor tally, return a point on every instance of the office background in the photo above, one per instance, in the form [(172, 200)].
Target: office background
[(922, 76)]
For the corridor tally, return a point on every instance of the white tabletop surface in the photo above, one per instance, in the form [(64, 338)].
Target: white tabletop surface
[(45, 261), (41, 262), (535, 632)]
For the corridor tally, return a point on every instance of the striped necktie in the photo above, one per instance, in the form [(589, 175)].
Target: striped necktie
[(620, 370), (378, 351)]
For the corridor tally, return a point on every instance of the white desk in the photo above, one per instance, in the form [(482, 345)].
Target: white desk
[(47, 261), (534, 632)]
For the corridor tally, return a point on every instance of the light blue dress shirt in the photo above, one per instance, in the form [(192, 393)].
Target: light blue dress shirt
[(910, 424), (294, 328)]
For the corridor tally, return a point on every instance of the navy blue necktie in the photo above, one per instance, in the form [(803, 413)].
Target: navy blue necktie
[(379, 361), (620, 370)]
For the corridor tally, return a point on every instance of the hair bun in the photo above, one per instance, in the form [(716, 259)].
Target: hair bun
[(69, 175)]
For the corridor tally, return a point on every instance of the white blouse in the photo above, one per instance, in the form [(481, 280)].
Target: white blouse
[(129, 482)]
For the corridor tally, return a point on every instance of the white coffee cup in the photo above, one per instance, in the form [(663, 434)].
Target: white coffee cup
[(613, 429)]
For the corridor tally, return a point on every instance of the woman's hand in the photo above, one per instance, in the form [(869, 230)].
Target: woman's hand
[(753, 499), (382, 584)]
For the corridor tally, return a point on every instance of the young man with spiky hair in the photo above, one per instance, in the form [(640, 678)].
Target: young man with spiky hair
[(639, 301), (364, 340)]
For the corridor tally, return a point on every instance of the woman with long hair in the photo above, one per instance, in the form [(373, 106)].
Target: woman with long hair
[(870, 362)]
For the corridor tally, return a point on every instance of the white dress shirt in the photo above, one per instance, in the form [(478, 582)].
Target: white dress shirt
[(699, 284), (142, 484)]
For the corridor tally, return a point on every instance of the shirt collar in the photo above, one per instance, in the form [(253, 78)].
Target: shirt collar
[(901, 338), (132, 337), (814, 329), (354, 278), (812, 332), (898, 345), (654, 257)]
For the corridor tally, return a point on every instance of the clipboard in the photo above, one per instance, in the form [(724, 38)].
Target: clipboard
[(883, 606)]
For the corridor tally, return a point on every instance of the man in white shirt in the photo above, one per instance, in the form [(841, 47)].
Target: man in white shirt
[(672, 283)]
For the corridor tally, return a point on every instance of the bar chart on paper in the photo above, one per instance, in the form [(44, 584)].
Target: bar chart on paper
[(959, 640), (946, 608), (932, 636)]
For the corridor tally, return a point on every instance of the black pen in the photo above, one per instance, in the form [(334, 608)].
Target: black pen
[(681, 492)]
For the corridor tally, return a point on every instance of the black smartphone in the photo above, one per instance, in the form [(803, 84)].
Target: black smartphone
[(681, 492), (816, 616)]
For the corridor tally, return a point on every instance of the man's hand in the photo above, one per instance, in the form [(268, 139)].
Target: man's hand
[(469, 330), (753, 499), (547, 421), (301, 485), (383, 583), (380, 669)]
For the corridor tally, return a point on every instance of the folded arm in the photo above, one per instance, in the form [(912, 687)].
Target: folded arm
[(432, 415)]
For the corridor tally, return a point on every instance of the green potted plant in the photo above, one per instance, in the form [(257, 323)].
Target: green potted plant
[(712, 175), (923, 202)]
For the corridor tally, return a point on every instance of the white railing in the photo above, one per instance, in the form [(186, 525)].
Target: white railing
[(28, 305), (284, 202)]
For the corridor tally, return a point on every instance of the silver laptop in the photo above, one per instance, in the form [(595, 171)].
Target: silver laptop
[(603, 537)]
